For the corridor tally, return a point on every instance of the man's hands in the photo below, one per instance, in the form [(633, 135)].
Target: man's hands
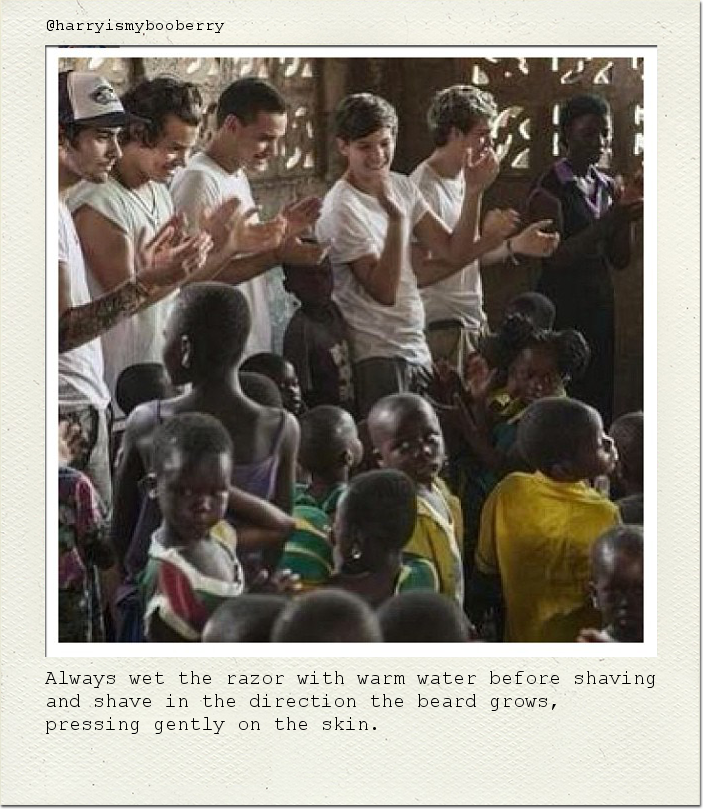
[(480, 172), (300, 216), (500, 224), (233, 230), (170, 256), (534, 241)]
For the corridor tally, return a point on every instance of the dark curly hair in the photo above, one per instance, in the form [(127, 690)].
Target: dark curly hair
[(156, 99), (570, 349)]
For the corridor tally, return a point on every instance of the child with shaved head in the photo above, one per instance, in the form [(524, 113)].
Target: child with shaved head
[(406, 435), (327, 616), (617, 571)]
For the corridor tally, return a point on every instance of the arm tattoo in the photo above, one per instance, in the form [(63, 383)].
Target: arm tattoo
[(81, 324)]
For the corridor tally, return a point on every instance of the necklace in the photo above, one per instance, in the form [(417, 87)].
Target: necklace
[(149, 206)]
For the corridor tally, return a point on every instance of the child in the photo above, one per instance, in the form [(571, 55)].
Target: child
[(246, 619), (374, 522), (189, 571), (315, 341), (537, 529), (135, 385), (329, 450), (617, 570), (83, 544), (423, 617), (533, 364), (205, 337), (627, 480), (537, 308), (327, 616), (282, 373), (406, 436), (368, 219), (260, 389)]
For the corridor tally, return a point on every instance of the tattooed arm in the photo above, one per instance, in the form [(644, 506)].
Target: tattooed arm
[(81, 324)]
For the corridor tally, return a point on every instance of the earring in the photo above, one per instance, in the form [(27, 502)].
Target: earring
[(355, 552)]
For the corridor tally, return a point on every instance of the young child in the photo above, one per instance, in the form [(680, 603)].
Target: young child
[(368, 219), (374, 522), (534, 306), (627, 480), (315, 341), (537, 529), (136, 385), (329, 450), (249, 618), (533, 364), (260, 389), (205, 337), (423, 617), (282, 373), (617, 571), (327, 616), (189, 571), (406, 436), (83, 546)]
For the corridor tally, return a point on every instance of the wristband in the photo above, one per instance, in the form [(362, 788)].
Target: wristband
[(511, 253)]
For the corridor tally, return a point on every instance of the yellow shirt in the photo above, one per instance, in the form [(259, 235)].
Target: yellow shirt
[(537, 534), (440, 540)]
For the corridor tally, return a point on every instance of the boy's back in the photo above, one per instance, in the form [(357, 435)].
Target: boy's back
[(537, 533)]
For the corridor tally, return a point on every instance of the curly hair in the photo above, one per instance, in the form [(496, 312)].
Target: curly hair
[(461, 106), (156, 99), (361, 114)]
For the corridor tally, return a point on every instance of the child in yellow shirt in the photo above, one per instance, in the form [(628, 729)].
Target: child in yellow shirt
[(537, 529)]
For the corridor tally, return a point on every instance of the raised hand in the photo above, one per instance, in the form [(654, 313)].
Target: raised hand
[(480, 172), (170, 256), (479, 377), (301, 215), (500, 223), (233, 229), (385, 197), (533, 241)]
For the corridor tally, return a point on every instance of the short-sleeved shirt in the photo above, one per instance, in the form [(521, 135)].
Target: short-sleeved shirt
[(438, 538), (138, 338), (319, 352), (81, 369), (537, 534), (460, 296), (203, 183), (354, 225)]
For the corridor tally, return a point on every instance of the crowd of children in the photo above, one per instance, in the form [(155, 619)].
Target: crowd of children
[(378, 481)]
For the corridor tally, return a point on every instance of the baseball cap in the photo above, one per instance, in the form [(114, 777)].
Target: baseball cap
[(89, 99)]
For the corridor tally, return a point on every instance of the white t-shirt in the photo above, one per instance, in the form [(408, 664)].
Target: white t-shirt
[(354, 225), (138, 338), (81, 369), (202, 184), (460, 296)]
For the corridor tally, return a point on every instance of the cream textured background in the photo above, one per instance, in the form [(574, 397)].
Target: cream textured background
[(616, 745)]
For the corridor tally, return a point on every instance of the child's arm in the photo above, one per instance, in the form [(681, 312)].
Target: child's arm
[(258, 513), (380, 275)]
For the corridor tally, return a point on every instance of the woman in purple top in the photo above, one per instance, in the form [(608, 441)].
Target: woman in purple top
[(593, 214)]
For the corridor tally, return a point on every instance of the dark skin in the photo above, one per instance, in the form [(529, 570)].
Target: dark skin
[(617, 592), (585, 140), (252, 428)]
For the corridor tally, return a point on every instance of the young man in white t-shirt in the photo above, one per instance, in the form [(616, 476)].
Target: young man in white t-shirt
[(460, 118), (251, 120), (368, 220), (90, 119)]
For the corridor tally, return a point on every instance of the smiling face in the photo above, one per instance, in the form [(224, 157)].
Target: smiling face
[(411, 441), (193, 495), (533, 374), (172, 149), (369, 158), (256, 143), (478, 139), (92, 154)]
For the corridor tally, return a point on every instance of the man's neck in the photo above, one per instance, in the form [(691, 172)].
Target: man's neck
[(444, 163), (67, 179), (128, 173), (221, 153)]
